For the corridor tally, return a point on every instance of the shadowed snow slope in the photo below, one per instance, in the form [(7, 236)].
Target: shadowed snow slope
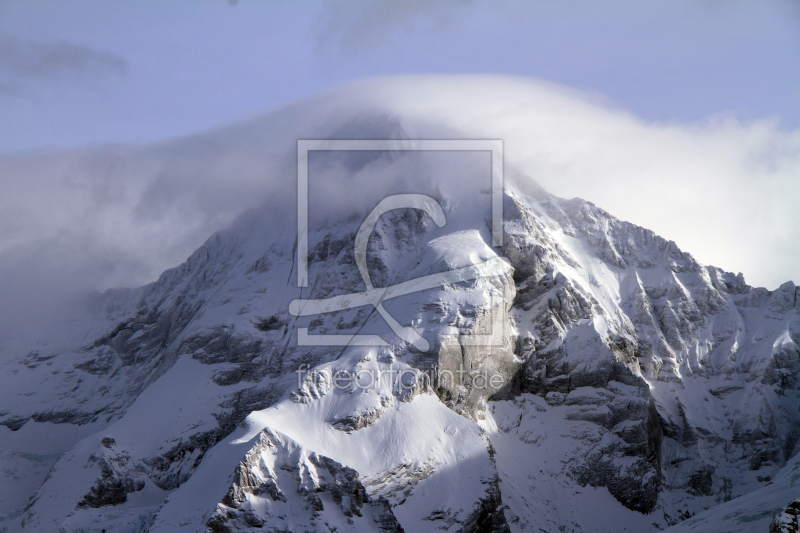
[(625, 386)]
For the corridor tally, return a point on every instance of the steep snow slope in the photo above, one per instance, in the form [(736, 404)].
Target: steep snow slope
[(635, 387), (751, 512)]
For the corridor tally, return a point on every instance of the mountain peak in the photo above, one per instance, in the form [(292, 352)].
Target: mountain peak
[(578, 373)]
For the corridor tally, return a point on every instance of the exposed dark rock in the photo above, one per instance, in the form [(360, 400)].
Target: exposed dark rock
[(34, 359), (357, 421), (788, 520), (119, 477), (488, 517), (15, 422), (270, 323), (701, 483)]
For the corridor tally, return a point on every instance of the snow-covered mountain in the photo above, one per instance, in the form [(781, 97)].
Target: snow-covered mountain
[(627, 386)]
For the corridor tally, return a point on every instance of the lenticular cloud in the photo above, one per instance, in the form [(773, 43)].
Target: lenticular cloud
[(119, 215)]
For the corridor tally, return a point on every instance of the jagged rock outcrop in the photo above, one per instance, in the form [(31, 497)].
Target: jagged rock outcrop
[(118, 478), (788, 520), (280, 486)]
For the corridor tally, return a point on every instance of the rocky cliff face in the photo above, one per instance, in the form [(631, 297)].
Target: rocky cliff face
[(314, 481), (668, 374), (626, 386)]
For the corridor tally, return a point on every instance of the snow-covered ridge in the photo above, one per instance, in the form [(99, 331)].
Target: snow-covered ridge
[(637, 387)]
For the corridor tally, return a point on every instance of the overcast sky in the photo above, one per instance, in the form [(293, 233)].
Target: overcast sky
[(725, 75)]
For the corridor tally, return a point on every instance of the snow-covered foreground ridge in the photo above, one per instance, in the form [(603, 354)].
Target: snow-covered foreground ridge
[(631, 389)]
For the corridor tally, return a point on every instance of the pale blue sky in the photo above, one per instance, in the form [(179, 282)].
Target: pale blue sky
[(82, 72)]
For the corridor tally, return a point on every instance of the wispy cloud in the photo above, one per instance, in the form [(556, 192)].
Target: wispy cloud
[(23, 62), (724, 190)]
